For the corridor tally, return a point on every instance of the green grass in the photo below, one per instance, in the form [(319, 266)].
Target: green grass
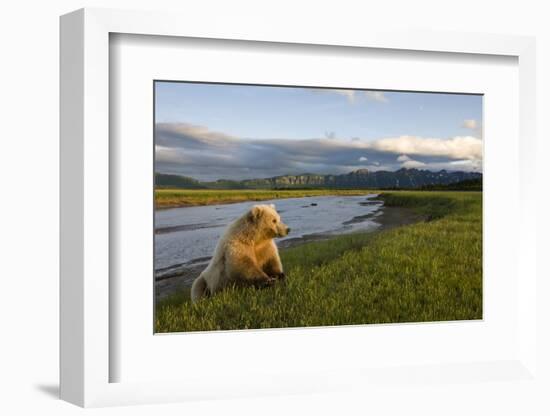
[(428, 271), (168, 198)]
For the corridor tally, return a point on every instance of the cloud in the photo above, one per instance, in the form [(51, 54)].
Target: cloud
[(376, 96), (466, 147), (191, 136), (353, 96), (196, 151), (467, 165), (455, 165), (470, 124), (348, 94), (410, 164)]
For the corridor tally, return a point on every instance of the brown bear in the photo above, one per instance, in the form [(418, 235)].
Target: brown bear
[(246, 253)]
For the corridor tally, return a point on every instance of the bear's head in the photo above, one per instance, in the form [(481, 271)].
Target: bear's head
[(267, 221)]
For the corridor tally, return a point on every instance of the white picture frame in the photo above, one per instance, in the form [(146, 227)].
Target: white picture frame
[(85, 353)]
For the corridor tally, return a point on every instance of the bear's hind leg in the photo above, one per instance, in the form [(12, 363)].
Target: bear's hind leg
[(199, 289)]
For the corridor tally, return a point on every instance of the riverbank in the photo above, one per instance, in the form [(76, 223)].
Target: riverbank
[(181, 279), (178, 198), (430, 270)]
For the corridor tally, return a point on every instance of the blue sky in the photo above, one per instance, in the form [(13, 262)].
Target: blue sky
[(208, 130)]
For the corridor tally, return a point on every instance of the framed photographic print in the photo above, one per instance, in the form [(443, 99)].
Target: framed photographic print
[(271, 202), (259, 213)]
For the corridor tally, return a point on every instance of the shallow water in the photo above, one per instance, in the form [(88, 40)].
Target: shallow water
[(189, 235)]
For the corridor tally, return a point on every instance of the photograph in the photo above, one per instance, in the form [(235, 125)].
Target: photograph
[(279, 206)]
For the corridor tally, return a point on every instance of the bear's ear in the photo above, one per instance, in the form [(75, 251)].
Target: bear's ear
[(255, 213), (272, 206)]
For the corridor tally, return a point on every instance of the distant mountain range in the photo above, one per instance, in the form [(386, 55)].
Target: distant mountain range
[(361, 178)]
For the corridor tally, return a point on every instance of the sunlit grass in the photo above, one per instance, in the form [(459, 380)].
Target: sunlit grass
[(428, 271)]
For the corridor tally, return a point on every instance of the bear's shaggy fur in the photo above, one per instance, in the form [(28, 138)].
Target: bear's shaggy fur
[(246, 253)]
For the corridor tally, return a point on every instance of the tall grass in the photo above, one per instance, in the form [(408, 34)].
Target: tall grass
[(428, 271)]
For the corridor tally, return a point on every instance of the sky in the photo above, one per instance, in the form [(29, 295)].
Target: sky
[(229, 131)]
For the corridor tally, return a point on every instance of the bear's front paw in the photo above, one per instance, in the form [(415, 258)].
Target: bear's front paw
[(270, 281), (280, 276), (264, 282)]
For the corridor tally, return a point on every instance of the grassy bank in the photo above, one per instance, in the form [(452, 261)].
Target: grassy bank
[(169, 198), (429, 271)]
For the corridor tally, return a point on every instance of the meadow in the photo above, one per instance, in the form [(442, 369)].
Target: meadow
[(427, 271), (170, 198)]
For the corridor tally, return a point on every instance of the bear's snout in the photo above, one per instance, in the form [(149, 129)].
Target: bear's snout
[(284, 230)]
